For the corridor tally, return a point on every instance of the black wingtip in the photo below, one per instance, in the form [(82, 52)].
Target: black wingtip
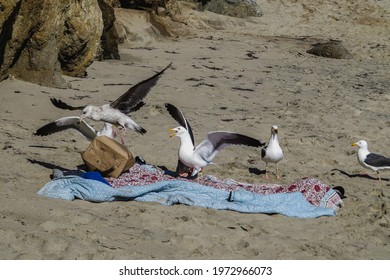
[(172, 110), (45, 130), (176, 114), (141, 130), (58, 103), (169, 106), (262, 144), (249, 141), (62, 105)]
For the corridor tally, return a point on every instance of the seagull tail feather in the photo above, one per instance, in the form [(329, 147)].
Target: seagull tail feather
[(140, 130)]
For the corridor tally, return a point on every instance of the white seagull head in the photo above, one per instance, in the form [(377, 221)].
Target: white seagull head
[(177, 131), (274, 129), (90, 111), (361, 144)]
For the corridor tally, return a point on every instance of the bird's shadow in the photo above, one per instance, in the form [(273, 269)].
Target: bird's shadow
[(358, 175), (52, 166), (167, 171), (256, 171), (175, 173)]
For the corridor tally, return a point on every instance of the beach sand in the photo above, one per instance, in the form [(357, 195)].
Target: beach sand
[(242, 75)]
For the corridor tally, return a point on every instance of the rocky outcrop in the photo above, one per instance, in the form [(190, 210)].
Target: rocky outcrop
[(109, 38), (234, 8), (142, 3), (41, 39)]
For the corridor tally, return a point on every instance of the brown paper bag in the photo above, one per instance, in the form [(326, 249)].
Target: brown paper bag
[(108, 157)]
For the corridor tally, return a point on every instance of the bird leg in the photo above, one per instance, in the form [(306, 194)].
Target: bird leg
[(379, 177), (266, 173), (114, 132), (122, 130), (277, 172), (182, 170)]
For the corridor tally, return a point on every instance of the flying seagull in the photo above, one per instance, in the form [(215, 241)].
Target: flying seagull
[(74, 122), (203, 154), (62, 105), (369, 160), (272, 152), (117, 111)]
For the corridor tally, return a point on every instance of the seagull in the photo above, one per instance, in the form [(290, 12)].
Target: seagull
[(62, 105), (369, 160), (117, 111), (203, 154), (74, 122), (272, 152)]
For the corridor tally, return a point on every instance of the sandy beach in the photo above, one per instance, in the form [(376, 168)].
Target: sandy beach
[(241, 75)]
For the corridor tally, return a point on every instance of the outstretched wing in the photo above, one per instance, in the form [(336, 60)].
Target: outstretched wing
[(62, 105), (217, 140), (181, 119), (67, 123), (136, 93)]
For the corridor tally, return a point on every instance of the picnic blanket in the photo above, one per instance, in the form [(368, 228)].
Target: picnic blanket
[(308, 198)]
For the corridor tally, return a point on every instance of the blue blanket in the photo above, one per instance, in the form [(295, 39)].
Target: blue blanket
[(180, 192)]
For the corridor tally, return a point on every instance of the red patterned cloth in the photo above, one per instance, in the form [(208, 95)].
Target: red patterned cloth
[(315, 191)]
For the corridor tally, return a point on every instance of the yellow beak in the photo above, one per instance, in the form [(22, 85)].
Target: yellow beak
[(354, 144), (173, 132)]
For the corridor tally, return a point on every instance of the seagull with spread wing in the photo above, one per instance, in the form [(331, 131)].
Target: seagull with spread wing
[(116, 112), (74, 122), (203, 154)]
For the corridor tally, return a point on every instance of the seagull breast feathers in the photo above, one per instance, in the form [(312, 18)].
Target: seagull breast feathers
[(272, 152)]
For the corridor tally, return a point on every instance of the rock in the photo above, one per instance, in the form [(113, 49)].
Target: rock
[(42, 39), (234, 8), (331, 49), (110, 38), (143, 3), (113, 3), (82, 28)]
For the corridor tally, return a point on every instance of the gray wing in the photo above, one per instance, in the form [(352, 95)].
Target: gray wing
[(181, 119), (136, 93), (377, 160), (217, 140), (67, 123)]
